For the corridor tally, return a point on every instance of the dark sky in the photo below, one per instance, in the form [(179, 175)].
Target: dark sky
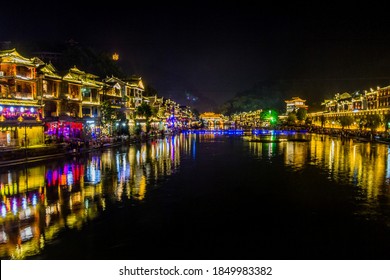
[(216, 50)]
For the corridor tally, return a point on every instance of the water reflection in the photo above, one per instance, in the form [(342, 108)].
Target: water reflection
[(362, 164), (38, 202)]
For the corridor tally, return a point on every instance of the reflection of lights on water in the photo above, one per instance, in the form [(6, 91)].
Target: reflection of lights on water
[(24, 203), (3, 211), (41, 241), (3, 237), (124, 163), (388, 164), (69, 178), (25, 214), (153, 161), (331, 155), (49, 210), (26, 234), (14, 206), (172, 149), (93, 173), (9, 178), (143, 153), (34, 200), (193, 147)]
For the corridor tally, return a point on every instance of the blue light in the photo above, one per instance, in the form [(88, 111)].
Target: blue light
[(34, 200), (3, 210), (24, 203)]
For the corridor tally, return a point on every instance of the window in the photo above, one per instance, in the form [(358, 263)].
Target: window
[(45, 87), (74, 91), (86, 112), (86, 92)]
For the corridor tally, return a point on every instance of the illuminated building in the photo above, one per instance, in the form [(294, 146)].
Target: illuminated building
[(116, 92), (126, 95), (66, 122), (20, 109), (48, 87), (39, 105), (359, 105), (136, 90), (212, 120), (295, 104), (157, 105), (91, 95), (246, 119), (135, 96)]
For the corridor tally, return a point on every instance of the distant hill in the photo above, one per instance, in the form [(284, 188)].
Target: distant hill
[(65, 55), (273, 93)]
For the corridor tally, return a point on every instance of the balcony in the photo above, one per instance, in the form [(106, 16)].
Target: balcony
[(23, 95)]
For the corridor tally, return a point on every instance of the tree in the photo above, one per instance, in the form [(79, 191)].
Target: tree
[(108, 115), (269, 115), (122, 123), (322, 118), (373, 122), (386, 120), (346, 121), (146, 111), (301, 114), (291, 118)]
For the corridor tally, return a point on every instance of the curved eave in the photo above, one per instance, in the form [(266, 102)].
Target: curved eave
[(53, 76), (90, 84), (72, 80)]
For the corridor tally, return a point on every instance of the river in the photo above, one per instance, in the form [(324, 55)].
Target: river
[(202, 196)]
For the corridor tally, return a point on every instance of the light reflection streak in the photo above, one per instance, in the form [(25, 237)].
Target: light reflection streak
[(388, 165), (364, 165), (60, 195)]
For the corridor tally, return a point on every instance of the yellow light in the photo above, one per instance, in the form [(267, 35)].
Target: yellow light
[(115, 56)]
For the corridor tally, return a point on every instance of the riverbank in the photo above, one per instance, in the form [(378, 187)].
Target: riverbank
[(15, 156), (10, 156)]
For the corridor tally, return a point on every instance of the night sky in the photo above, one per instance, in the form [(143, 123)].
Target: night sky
[(214, 51)]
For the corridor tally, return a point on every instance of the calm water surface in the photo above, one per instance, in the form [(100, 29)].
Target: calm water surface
[(202, 196)]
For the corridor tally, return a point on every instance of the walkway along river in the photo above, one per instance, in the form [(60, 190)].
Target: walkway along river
[(202, 196)]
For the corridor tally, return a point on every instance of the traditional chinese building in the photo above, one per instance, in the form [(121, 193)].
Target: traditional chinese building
[(20, 107), (67, 122), (157, 105), (295, 104), (212, 120)]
